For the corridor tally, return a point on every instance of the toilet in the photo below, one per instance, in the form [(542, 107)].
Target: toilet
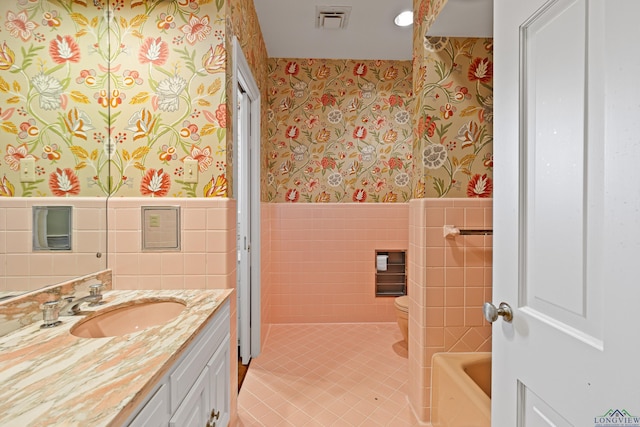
[(402, 314)]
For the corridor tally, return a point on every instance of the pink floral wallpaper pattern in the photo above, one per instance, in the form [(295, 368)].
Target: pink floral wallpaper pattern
[(244, 24), (453, 115), (246, 27), (454, 119), (338, 131), (113, 97)]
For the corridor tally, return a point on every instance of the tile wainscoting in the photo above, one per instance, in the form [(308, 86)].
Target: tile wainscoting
[(449, 280), (323, 260)]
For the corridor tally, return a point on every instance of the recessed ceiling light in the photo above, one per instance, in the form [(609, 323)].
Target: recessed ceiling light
[(404, 19)]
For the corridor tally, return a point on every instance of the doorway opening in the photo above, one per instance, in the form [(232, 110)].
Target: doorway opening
[(246, 185)]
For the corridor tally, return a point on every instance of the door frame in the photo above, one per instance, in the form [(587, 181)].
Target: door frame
[(242, 76)]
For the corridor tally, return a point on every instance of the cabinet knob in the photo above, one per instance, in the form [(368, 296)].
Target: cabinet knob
[(212, 419)]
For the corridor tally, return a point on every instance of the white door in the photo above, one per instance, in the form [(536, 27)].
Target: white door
[(567, 213), (243, 229), (247, 192)]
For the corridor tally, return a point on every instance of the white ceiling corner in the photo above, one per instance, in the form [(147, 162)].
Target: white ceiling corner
[(289, 28)]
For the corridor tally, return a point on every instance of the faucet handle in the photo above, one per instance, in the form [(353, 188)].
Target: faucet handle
[(95, 291), (50, 313)]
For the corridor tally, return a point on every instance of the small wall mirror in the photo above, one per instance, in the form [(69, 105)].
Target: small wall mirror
[(52, 228)]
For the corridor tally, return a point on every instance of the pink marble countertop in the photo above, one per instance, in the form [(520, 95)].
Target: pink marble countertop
[(49, 377)]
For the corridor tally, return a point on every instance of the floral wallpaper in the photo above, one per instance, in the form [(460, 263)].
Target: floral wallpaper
[(453, 116), (454, 120), (243, 23), (338, 131), (113, 97), (246, 27)]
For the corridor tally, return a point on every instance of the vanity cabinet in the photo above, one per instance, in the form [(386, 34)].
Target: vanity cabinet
[(196, 390)]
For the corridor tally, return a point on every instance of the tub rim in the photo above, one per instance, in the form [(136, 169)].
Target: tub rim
[(452, 364)]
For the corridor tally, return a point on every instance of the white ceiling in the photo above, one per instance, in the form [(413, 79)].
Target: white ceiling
[(289, 28)]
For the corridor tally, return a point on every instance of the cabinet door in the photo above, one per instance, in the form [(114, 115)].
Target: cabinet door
[(155, 412), (219, 371), (193, 411)]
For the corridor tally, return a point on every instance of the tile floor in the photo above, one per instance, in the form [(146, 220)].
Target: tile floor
[(328, 375)]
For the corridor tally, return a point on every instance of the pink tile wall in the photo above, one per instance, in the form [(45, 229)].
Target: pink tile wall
[(207, 259), (449, 280), (21, 269), (323, 261), (265, 266)]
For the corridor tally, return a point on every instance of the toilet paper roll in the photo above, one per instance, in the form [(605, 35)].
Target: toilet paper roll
[(41, 229), (381, 262)]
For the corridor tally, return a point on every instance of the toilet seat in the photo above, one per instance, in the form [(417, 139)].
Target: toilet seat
[(402, 303)]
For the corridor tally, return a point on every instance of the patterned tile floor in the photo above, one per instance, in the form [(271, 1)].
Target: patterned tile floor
[(328, 375)]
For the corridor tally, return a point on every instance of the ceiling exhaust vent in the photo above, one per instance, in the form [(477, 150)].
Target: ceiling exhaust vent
[(332, 17)]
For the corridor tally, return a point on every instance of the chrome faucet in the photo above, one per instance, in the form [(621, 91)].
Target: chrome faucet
[(71, 305)]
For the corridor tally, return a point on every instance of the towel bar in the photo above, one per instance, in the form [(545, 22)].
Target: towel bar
[(450, 230)]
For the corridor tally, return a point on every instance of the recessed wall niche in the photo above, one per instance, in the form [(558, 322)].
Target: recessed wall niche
[(52, 227), (391, 273), (161, 228)]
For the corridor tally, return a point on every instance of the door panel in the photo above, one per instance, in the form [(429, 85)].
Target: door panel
[(554, 235), (554, 123), (566, 211), (537, 412)]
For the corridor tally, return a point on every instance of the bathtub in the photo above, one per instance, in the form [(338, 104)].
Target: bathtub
[(461, 390)]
